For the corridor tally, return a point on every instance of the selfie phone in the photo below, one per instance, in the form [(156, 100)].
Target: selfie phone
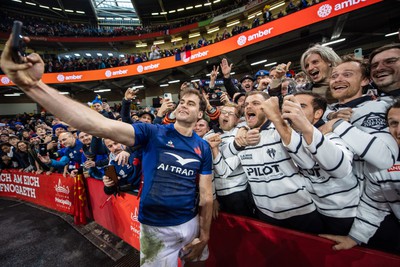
[(17, 44), (280, 101), (110, 172), (168, 95), (190, 85), (43, 149), (215, 98), (358, 53)]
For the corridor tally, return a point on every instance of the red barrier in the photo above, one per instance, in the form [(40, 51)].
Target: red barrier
[(117, 214), (238, 241), (54, 192), (235, 241)]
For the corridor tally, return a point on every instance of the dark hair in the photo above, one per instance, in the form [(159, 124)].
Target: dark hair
[(396, 104), (318, 101), (381, 49), (364, 66), (301, 74), (26, 143), (264, 94), (202, 103)]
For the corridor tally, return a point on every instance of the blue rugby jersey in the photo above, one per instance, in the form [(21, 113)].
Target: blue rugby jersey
[(171, 165)]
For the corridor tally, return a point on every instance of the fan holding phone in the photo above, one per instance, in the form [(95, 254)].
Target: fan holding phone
[(122, 175)]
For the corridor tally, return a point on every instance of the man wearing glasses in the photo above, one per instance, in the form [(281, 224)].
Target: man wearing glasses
[(233, 192)]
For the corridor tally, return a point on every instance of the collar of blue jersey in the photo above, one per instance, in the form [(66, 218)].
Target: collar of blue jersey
[(353, 103), (319, 123)]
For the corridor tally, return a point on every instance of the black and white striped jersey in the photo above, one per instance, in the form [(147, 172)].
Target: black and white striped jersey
[(277, 188), (367, 134), (381, 196), (237, 180), (331, 182)]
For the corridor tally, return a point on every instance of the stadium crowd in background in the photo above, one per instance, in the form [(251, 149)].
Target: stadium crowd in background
[(323, 163), (54, 63)]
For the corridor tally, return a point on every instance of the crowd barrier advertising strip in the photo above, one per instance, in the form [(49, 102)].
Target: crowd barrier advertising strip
[(54, 192), (235, 241), (308, 16), (118, 214)]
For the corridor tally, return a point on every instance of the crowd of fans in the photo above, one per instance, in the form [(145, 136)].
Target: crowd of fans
[(308, 151), (315, 151), (54, 63), (35, 26)]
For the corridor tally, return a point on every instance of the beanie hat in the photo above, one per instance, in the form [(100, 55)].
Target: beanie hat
[(97, 99), (60, 125)]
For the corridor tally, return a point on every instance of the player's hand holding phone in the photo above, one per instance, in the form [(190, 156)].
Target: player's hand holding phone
[(27, 74)]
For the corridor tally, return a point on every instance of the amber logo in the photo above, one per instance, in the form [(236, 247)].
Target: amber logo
[(324, 11), (5, 80), (241, 40), (62, 78)]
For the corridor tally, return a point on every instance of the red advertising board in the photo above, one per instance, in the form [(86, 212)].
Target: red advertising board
[(235, 241), (314, 14), (118, 214), (54, 192)]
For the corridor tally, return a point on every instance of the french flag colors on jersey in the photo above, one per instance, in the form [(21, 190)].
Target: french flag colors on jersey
[(171, 165)]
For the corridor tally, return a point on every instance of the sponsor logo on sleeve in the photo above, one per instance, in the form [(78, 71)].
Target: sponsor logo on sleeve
[(394, 168), (375, 121)]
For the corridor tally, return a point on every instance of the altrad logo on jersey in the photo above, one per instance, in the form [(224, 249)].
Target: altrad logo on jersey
[(176, 169)]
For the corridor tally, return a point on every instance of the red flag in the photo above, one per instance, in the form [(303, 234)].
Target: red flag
[(79, 199)]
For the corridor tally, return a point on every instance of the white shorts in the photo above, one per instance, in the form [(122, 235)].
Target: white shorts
[(161, 246)]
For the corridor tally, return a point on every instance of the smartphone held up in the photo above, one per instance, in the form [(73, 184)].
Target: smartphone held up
[(168, 96), (17, 43)]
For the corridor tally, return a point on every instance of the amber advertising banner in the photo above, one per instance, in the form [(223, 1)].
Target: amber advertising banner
[(308, 16)]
